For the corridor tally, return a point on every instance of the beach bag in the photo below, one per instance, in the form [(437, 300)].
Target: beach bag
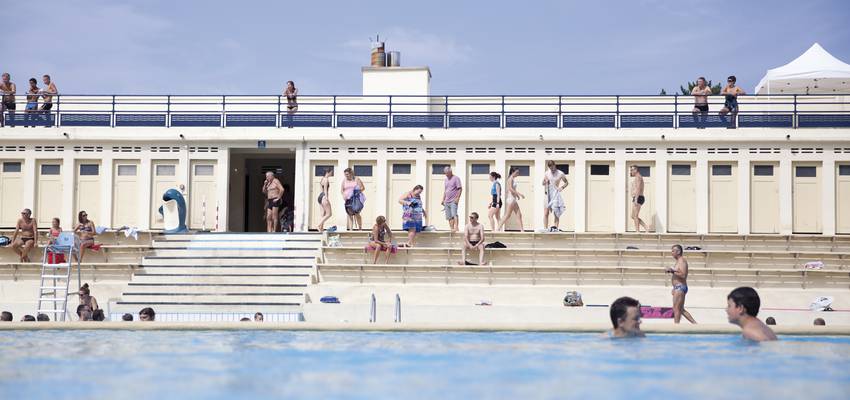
[(4, 241), (572, 299), (495, 245), (354, 204)]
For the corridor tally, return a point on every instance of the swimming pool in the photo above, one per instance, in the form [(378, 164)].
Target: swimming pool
[(401, 365)]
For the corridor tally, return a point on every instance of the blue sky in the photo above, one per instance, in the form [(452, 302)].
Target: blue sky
[(472, 47)]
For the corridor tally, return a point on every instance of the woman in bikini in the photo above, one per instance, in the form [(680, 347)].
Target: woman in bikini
[(88, 304), (324, 201), (26, 226), (494, 209), (87, 233), (511, 198), (291, 94), (381, 240)]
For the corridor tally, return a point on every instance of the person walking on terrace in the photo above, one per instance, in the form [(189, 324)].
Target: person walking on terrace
[(274, 201), (679, 278), (494, 209), (451, 197), (473, 239), (511, 200), (731, 104), (413, 214), (324, 199), (637, 198), (700, 92), (7, 89), (26, 227), (554, 182)]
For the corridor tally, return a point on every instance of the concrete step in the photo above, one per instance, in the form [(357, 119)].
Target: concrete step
[(233, 252), (134, 307), (196, 298), (236, 236), (224, 288), (237, 244), (233, 278), (222, 261), (219, 270)]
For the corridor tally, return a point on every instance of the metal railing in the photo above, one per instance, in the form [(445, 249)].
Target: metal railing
[(437, 112)]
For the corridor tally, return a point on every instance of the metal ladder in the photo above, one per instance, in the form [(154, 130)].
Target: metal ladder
[(56, 278)]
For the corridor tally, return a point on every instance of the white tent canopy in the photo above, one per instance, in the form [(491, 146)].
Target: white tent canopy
[(814, 72)]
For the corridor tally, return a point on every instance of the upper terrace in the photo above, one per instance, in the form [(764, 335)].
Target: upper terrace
[(436, 112)]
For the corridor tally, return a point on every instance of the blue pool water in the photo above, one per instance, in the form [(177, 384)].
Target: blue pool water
[(365, 365)]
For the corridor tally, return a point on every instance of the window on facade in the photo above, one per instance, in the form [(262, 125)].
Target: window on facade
[(204, 170), (480, 169), (362, 170), (565, 168), (126, 170), (50, 169), (166, 170), (721, 170), (11, 167), (437, 169), (319, 170), (763, 170), (806, 172), (680, 169), (600, 169), (401, 169), (89, 169), (524, 170)]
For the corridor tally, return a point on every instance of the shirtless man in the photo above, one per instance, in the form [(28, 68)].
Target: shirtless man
[(47, 96), (26, 227), (555, 181), (473, 238), (680, 285), (637, 198), (32, 102), (742, 307), (7, 89), (700, 93), (274, 200)]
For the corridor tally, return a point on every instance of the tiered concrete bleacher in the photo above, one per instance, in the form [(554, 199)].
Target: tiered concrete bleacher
[(118, 255), (600, 259), (221, 277)]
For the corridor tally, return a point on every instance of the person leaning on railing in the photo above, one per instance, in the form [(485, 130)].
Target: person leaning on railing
[(7, 89), (47, 94)]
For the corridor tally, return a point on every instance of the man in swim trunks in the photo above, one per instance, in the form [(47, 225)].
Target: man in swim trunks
[(47, 96), (274, 200), (7, 89), (731, 104), (32, 101), (680, 285), (26, 227), (700, 93), (451, 197), (742, 307), (625, 316), (637, 198), (473, 238), (555, 181)]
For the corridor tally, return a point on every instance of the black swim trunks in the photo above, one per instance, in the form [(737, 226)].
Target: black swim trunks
[(640, 200), (9, 105), (701, 107), (273, 203), (46, 106)]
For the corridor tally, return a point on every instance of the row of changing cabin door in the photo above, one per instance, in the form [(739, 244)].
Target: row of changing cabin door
[(88, 193), (723, 194)]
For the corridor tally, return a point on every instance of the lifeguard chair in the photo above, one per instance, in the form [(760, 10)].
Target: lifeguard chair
[(57, 264)]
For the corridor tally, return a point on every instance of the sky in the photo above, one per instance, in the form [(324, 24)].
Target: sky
[(491, 47)]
